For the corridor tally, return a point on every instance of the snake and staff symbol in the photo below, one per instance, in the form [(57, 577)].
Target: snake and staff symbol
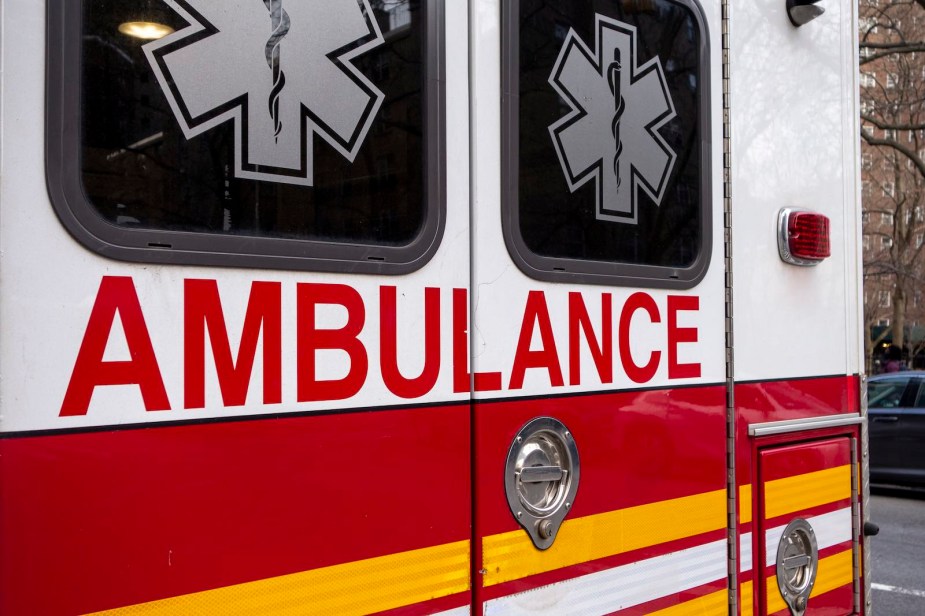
[(279, 20), (611, 88), (613, 79)]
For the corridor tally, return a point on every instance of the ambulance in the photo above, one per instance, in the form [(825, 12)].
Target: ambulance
[(431, 307)]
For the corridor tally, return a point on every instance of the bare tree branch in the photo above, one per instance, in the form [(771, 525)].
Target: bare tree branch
[(890, 143), (892, 48), (890, 126), (889, 50)]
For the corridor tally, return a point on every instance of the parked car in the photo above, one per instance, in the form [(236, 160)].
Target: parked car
[(896, 416)]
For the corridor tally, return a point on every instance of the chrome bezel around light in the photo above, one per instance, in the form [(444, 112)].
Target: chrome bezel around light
[(783, 243)]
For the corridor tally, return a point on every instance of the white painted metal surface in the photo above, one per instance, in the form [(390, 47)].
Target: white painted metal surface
[(620, 587), (795, 143), (45, 274), (500, 287)]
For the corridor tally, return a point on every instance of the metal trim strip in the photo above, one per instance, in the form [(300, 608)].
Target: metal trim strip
[(772, 428), (855, 527)]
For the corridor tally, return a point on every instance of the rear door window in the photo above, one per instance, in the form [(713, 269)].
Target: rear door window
[(295, 134), (607, 141)]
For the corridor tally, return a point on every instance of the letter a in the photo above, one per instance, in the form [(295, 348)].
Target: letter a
[(116, 294)]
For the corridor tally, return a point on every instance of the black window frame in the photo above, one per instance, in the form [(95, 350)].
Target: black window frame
[(561, 269), (63, 170)]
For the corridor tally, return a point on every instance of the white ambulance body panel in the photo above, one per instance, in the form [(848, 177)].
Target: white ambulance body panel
[(795, 144)]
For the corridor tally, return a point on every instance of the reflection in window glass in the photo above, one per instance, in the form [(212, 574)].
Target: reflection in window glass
[(141, 171), (597, 139), (920, 396), (885, 394)]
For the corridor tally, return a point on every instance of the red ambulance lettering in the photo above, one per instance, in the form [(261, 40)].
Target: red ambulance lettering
[(601, 352), (637, 373), (116, 295), (203, 316), (677, 335), (388, 331), (536, 314), (202, 310), (481, 381), (311, 339)]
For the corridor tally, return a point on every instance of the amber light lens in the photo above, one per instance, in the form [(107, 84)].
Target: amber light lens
[(808, 236), (147, 30)]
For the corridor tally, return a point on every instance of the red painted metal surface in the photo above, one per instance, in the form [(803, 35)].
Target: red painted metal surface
[(122, 517), (790, 460), (796, 399), (785, 461), (787, 400), (636, 448)]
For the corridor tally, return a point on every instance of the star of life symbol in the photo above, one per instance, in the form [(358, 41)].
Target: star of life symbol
[(280, 74), (611, 133)]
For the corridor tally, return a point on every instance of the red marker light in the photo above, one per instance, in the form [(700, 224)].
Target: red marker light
[(803, 237)]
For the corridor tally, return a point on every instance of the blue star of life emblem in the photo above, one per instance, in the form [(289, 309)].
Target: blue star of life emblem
[(280, 73), (611, 134)]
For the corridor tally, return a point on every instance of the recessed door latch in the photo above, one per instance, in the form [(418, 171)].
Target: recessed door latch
[(797, 565), (541, 478)]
